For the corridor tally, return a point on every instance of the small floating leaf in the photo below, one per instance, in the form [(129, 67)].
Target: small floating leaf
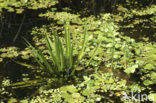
[(1, 59), (4, 55), (79, 68), (25, 57), (148, 82)]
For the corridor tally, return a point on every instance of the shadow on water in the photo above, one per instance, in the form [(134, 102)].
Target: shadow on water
[(13, 72), (144, 32), (141, 34), (13, 27)]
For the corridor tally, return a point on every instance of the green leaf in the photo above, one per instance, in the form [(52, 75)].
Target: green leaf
[(109, 45), (25, 57), (3, 55), (24, 101), (66, 95), (1, 59), (149, 67), (87, 92), (105, 87), (76, 95), (60, 22), (153, 75), (71, 89), (69, 100), (110, 80), (148, 82), (12, 100), (131, 69), (152, 97), (26, 65), (152, 57)]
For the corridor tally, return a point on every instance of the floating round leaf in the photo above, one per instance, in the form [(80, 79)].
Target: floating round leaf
[(3, 55), (1, 59)]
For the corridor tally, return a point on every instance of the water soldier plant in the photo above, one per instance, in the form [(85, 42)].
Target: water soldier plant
[(62, 62)]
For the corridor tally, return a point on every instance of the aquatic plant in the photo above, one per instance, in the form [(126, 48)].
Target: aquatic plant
[(61, 56)]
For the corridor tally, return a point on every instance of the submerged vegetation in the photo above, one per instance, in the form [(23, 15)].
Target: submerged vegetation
[(68, 51)]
